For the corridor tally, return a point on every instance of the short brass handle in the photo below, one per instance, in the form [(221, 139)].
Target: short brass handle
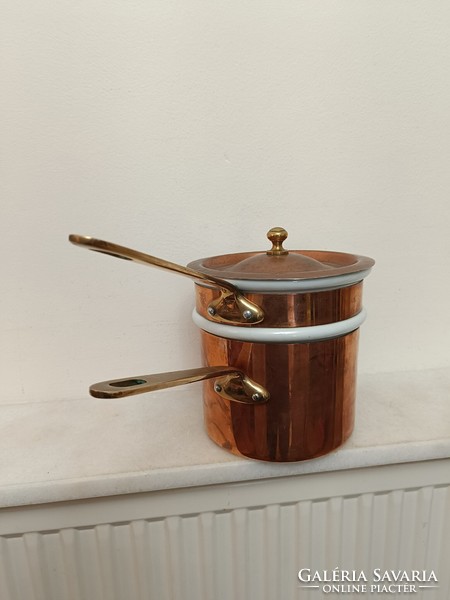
[(232, 307), (231, 384)]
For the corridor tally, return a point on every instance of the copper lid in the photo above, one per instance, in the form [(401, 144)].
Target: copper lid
[(280, 264)]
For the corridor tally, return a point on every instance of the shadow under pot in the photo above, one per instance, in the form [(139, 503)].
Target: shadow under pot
[(288, 343)]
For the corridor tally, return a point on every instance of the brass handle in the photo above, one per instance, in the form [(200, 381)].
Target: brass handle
[(231, 307), (231, 384)]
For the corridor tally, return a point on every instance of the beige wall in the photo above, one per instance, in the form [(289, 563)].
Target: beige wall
[(189, 128)]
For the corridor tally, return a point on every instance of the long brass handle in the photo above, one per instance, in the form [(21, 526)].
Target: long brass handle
[(232, 307), (231, 384)]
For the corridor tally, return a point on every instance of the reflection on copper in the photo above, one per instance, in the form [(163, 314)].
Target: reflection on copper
[(295, 309), (312, 385), (311, 408)]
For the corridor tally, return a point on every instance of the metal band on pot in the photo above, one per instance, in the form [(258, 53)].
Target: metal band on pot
[(281, 335)]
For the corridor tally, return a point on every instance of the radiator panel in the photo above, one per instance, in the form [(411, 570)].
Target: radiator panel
[(251, 553)]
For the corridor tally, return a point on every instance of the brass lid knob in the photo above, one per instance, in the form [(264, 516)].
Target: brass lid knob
[(277, 235)]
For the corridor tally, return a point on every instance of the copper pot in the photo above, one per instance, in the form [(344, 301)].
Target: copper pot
[(279, 334)]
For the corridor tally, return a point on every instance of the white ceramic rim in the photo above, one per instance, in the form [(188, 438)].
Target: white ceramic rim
[(298, 285), (280, 335)]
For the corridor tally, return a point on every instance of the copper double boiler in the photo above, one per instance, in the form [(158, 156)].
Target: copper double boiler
[(279, 331)]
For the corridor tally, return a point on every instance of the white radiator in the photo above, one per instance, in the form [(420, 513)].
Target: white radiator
[(241, 553)]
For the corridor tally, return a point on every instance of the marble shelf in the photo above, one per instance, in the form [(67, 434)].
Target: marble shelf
[(70, 450)]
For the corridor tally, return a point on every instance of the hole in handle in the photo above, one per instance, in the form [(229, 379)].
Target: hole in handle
[(128, 383)]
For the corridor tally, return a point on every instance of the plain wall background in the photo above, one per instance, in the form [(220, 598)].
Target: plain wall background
[(188, 129)]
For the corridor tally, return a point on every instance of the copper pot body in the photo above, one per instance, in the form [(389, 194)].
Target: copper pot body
[(311, 384)]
